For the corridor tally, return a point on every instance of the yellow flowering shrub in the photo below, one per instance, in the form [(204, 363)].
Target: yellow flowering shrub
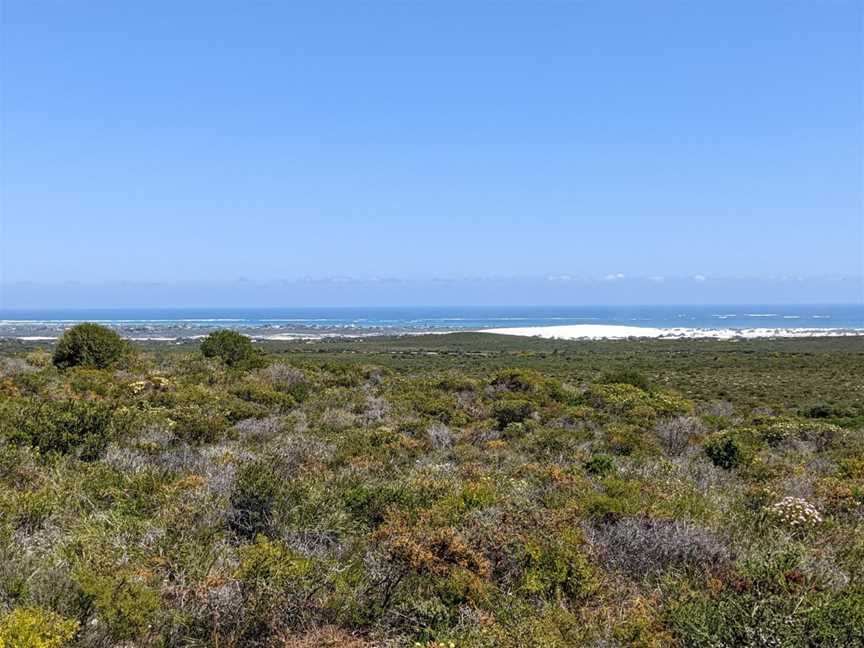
[(32, 627)]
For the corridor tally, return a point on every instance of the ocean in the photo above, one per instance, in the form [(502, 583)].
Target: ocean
[(284, 323)]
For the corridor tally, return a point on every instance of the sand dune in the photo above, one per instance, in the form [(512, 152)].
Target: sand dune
[(616, 332)]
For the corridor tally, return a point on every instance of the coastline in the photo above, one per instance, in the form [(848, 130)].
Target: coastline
[(558, 332), (565, 323)]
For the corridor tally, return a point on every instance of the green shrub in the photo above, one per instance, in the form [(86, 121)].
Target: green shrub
[(620, 498), (89, 345), (626, 439), (600, 464), (723, 450), (435, 403), (368, 503), (82, 428), (511, 411), (518, 380), (625, 377), (32, 507), (198, 425), (123, 601), (252, 500), (617, 397), (231, 347), (33, 627), (264, 396), (556, 565), (271, 564)]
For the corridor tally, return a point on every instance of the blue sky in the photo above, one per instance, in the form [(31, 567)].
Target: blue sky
[(154, 149)]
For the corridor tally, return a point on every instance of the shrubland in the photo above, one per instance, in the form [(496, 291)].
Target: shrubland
[(473, 491)]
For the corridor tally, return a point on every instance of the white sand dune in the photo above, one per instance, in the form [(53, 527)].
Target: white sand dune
[(616, 332)]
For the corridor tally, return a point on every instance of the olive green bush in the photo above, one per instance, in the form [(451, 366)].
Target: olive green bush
[(89, 345), (75, 427), (231, 347)]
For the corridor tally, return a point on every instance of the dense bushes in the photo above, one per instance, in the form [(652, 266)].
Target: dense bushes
[(89, 345), (323, 498), (75, 427), (771, 603), (231, 347)]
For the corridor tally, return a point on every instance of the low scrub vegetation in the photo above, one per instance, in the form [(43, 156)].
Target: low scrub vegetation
[(433, 493)]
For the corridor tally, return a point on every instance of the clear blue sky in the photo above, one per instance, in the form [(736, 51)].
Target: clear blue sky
[(193, 142)]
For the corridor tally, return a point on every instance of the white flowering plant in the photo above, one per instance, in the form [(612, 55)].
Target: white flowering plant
[(795, 512)]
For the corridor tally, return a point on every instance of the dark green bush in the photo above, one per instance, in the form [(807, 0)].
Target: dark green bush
[(511, 411), (231, 347), (820, 410), (369, 503), (89, 345), (724, 451), (600, 464)]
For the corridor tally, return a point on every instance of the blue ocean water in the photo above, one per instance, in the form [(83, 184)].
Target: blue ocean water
[(384, 320)]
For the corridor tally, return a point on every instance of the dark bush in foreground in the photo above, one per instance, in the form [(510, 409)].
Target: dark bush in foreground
[(89, 345), (231, 347)]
